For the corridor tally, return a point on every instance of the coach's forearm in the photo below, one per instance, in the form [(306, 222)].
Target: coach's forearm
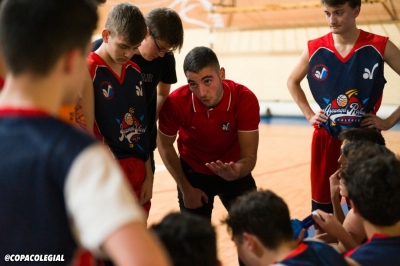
[(173, 164)]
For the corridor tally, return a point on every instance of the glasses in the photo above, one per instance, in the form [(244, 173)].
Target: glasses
[(161, 50)]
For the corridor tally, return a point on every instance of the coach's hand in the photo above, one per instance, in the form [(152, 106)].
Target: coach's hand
[(228, 171), (192, 197)]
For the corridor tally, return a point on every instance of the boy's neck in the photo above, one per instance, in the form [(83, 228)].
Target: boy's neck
[(391, 231), (281, 252), (348, 38), (30, 92), (102, 52)]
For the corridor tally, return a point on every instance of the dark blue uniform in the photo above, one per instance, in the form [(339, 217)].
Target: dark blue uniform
[(120, 109), (379, 250), (346, 89), (313, 253), (36, 154)]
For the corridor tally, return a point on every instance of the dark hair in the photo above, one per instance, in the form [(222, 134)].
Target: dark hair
[(35, 33), (189, 239), (372, 177), (166, 25), (127, 20), (263, 214), (199, 58), (337, 3), (99, 2), (362, 134)]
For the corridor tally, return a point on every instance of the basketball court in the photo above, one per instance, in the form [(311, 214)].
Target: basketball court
[(258, 43)]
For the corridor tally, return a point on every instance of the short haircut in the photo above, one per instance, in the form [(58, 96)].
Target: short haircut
[(199, 58), (35, 33), (166, 25), (263, 214), (127, 20), (188, 238), (362, 134), (372, 178), (337, 3)]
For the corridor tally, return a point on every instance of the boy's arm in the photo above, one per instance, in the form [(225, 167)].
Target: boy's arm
[(163, 90), (293, 84), (146, 192), (353, 224), (392, 58), (133, 244), (87, 99), (104, 212), (191, 196), (335, 196), (330, 225)]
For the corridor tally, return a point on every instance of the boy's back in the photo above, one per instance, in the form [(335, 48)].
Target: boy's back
[(24, 187)]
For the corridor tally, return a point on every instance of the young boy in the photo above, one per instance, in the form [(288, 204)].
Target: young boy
[(371, 179), (259, 223), (345, 73), (373, 184), (189, 239), (156, 60), (57, 185), (121, 119)]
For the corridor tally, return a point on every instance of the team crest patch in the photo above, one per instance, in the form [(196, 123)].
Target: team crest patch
[(131, 128), (226, 127), (320, 72), (346, 110), (107, 89)]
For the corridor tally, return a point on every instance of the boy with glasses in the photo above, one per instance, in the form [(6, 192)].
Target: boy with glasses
[(156, 60)]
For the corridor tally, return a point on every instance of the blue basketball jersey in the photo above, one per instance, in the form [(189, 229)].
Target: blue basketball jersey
[(379, 250), (313, 253), (120, 109), (36, 154), (350, 87)]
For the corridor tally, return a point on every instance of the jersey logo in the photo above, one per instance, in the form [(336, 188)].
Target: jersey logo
[(226, 127), (131, 128), (346, 109), (139, 90), (147, 77), (320, 72), (369, 74), (107, 89)]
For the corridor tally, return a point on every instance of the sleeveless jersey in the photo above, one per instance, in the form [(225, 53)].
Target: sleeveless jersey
[(346, 88), (313, 253), (36, 154), (120, 108), (379, 250)]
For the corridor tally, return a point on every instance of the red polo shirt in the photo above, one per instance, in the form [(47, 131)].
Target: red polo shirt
[(209, 134)]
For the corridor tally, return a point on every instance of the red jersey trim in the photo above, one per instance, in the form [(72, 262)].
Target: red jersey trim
[(364, 40), (26, 112), (96, 61), (348, 254), (300, 248)]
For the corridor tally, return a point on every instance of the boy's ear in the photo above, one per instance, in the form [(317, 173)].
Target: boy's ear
[(222, 73), (356, 11), (105, 34), (353, 207), (70, 59), (249, 241)]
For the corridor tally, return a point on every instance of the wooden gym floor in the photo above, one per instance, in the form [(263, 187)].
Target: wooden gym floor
[(283, 166)]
